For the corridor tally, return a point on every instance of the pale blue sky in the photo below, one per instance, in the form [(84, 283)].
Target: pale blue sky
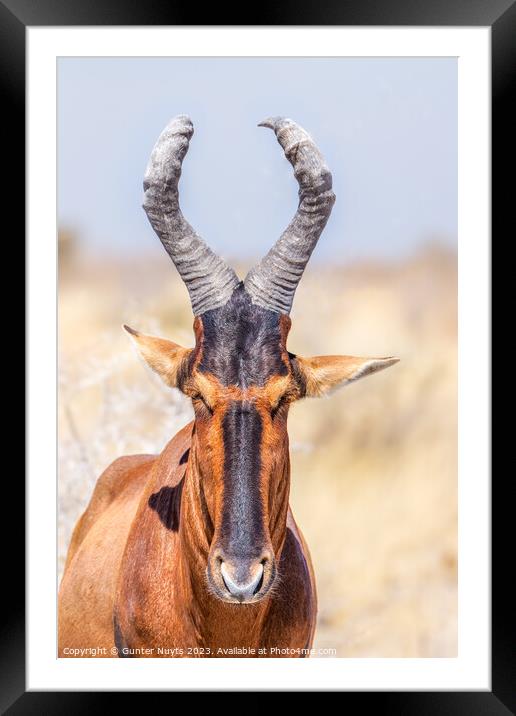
[(387, 127)]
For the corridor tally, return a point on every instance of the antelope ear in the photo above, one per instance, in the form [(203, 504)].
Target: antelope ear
[(167, 359), (322, 374)]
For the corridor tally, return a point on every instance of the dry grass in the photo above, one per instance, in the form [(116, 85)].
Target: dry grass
[(374, 468)]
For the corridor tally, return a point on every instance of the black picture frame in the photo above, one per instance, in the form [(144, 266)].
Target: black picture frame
[(15, 17)]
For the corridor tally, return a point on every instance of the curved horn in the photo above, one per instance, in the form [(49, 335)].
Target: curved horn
[(209, 280), (273, 282)]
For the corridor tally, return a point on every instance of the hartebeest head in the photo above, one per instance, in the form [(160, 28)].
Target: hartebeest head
[(240, 375)]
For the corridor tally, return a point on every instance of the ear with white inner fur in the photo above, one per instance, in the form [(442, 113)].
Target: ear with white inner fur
[(169, 360), (322, 374)]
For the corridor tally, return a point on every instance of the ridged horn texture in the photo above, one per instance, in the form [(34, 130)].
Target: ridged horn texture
[(209, 280), (273, 282)]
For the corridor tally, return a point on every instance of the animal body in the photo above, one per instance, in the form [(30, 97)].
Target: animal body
[(195, 552)]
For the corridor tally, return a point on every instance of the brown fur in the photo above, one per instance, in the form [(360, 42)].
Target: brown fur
[(125, 565)]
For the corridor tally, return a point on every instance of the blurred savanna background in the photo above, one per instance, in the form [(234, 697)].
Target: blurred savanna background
[(374, 467)]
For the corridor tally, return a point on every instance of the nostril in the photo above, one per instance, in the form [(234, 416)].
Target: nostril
[(260, 583), (267, 556)]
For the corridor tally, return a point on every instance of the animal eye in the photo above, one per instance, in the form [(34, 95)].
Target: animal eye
[(281, 402), (199, 398)]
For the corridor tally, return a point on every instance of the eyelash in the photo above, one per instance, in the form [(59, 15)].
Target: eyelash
[(199, 398), (282, 401)]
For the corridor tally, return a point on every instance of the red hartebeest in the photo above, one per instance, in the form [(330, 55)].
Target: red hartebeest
[(195, 552)]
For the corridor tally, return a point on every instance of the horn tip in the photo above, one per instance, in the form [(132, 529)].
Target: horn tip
[(182, 118), (180, 124), (272, 122)]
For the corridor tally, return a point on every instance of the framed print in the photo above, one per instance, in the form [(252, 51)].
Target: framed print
[(160, 499)]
